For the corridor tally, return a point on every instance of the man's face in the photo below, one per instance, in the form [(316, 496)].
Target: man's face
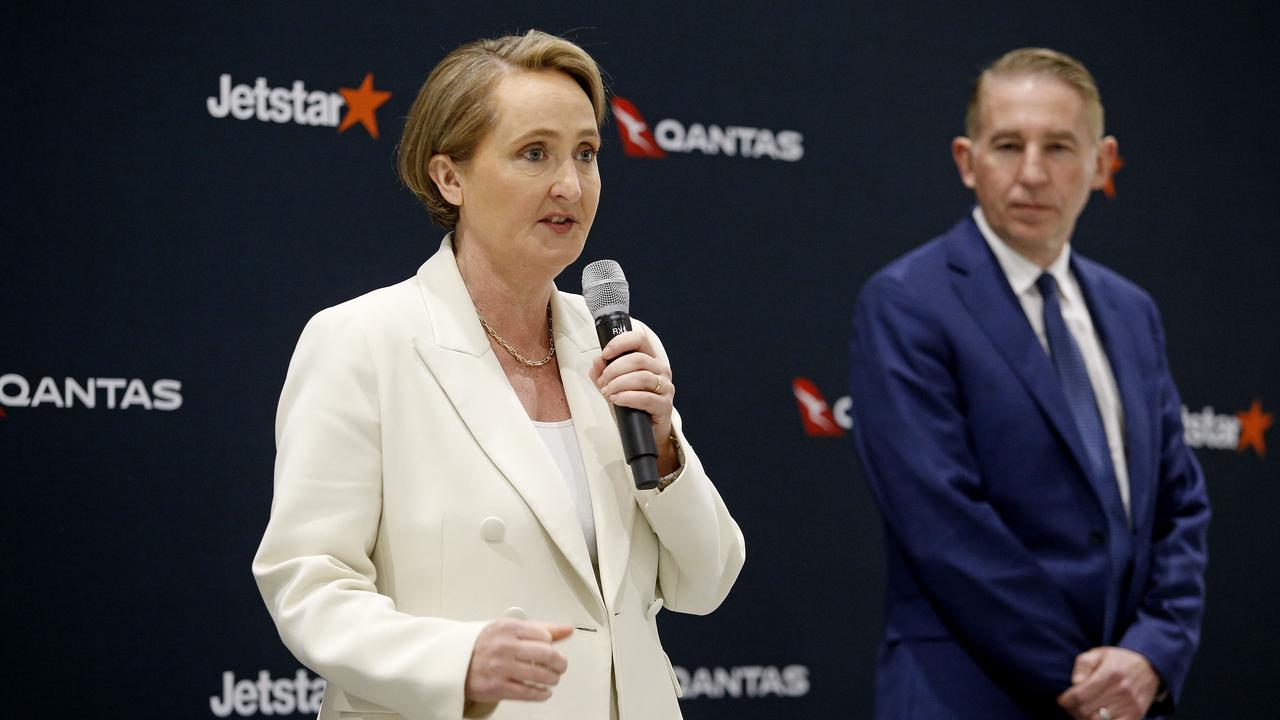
[(1033, 162)]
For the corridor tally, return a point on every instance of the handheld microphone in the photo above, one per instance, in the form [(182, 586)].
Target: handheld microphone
[(609, 299)]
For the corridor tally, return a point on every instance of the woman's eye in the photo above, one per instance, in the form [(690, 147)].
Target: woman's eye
[(587, 154), (535, 153)]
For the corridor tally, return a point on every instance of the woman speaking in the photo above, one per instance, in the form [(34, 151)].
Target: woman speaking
[(454, 531)]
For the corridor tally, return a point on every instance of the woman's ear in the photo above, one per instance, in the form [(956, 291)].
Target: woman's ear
[(445, 174)]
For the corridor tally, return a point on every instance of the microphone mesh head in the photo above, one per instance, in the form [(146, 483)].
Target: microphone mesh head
[(605, 288)]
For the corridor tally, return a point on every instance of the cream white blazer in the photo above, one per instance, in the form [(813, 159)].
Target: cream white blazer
[(415, 503)]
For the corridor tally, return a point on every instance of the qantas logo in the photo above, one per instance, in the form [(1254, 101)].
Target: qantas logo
[(296, 104), (92, 393), (637, 139), (673, 136), (752, 681), (819, 418)]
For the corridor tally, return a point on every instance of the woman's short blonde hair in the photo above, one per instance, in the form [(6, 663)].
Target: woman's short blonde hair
[(454, 111), (1038, 61)]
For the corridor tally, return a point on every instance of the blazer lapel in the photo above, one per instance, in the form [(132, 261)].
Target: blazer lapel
[(462, 362), (1122, 355), (985, 292), (612, 503)]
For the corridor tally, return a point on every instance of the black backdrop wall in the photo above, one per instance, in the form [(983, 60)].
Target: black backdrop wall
[(159, 262)]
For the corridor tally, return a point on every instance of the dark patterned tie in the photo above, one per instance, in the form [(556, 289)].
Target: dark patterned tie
[(1069, 364)]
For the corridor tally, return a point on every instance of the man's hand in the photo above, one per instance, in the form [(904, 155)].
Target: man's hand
[(515, 660), (1115, 679)]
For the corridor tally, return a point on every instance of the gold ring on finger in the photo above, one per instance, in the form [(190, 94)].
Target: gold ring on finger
[(658, 385)]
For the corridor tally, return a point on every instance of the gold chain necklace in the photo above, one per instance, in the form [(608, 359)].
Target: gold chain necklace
[(551, 340)]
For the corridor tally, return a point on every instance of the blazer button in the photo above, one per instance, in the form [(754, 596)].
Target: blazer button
[(654, 607), (492, 529), (1096, 538), (515, 612)]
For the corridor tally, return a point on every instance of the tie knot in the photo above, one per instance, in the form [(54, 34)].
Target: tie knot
[(1048, 286)]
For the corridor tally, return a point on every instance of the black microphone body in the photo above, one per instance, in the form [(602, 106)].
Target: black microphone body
[(635, 426)]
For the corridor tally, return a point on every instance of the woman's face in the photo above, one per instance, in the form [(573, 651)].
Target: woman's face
[(529, 192)]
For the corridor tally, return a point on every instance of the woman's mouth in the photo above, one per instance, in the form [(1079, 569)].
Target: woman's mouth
[(559, 223)]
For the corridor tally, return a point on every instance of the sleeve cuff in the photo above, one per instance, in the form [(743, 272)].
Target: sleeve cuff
[(674, 475)]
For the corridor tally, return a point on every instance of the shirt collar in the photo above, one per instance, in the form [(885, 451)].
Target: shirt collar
[(1021, 272)]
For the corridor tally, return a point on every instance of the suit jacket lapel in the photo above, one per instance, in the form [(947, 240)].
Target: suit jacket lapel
[(985, 291), (1122, 355), (612, 503), (461, 360)]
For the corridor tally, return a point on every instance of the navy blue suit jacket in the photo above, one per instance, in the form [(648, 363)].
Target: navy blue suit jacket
[(997, 559)]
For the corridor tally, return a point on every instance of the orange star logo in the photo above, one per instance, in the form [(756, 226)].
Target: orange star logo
[(1253, 426), (1110, 188), (361, 104)]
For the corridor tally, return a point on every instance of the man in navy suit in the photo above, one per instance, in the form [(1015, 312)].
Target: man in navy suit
[(1022, 437)]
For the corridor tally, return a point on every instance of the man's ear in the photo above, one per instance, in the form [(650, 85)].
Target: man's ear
[(1108, 149), (962, 153), (446, 175)]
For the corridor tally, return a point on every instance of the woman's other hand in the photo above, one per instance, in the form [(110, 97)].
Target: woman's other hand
[(515, 660)]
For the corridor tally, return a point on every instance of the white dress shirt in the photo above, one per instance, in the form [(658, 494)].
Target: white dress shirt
[(562, 441), (1022, 274)]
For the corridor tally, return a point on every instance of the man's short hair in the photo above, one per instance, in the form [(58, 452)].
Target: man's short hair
[(1038, 61), (454, 109)]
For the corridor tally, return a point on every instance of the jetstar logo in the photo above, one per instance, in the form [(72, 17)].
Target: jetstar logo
[(1109, 189), (295, 104), (819, 418), (674, 136), (302, 693), (1239, 431)]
